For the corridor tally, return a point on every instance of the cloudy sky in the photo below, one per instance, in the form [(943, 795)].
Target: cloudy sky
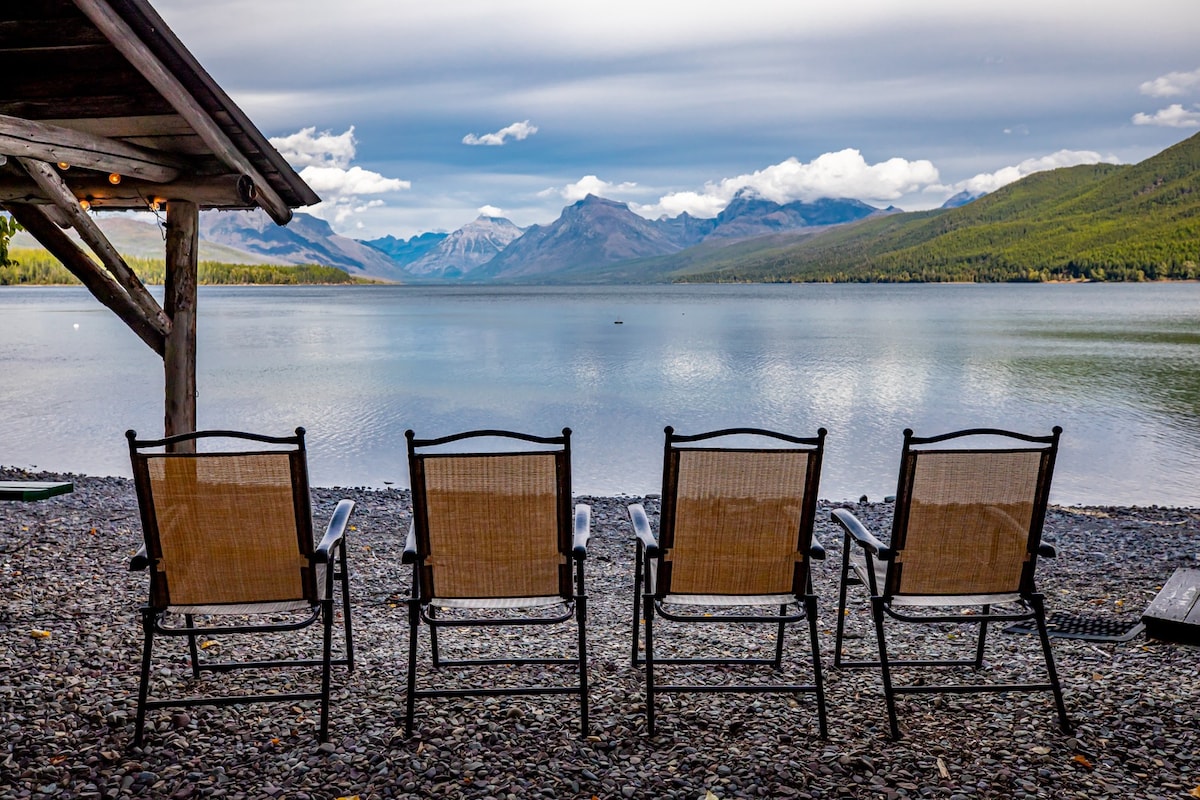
[(409, 117)]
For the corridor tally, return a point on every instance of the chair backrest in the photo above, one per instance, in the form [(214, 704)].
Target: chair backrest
[(737, 520), (969, 518), (228, 527), (493, 524)]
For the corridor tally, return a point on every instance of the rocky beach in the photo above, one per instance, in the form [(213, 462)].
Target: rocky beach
[(70, 644)]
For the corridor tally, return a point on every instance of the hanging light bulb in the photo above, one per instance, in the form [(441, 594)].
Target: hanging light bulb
[(63, 165), (114, 178), (85, 204)]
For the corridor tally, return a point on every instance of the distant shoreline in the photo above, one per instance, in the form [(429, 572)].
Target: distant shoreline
[(360, 281)]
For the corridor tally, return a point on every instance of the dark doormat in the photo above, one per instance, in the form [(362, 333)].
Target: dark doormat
[(1092, 629)]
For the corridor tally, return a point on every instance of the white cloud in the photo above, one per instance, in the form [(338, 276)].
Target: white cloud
[(1172, 84), (307, 148), (991, 181), (342, 191), (339, 182), (490, 211), (324, 163), (842, 174), (516, 131), (588, 184), (1173, 116), (697, 204)]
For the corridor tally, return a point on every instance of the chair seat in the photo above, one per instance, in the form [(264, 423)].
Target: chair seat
[(858, 562), (729, 600), (496, 602), (279, 607)]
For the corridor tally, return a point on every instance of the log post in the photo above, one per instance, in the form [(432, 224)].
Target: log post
[(179, 360)]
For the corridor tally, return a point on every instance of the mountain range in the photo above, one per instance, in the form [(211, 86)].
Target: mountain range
[(1100, 221), (593, 234)]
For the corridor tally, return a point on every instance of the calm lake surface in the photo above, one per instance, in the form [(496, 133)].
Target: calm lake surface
[(1118, 366)]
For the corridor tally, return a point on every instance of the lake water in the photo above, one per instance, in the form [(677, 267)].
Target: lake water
[(1118, 366)]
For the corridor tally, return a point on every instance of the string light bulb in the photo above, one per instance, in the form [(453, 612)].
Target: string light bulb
[(114, 178), (63, 165), (85, 204)]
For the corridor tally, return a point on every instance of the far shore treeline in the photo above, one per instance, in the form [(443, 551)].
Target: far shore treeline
[(37, 267)]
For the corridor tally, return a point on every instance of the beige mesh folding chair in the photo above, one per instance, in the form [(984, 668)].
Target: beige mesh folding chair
[(966, 536), (229, 540), (493, 542), (735, 532)]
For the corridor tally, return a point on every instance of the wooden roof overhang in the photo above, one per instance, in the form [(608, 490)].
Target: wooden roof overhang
[(105, 87), (101, 106)]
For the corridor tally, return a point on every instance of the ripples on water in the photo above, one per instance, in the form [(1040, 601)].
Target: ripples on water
[(1116, 366)]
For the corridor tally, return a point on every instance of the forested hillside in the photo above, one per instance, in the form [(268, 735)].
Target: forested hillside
[(1100, 222), (39, 267)]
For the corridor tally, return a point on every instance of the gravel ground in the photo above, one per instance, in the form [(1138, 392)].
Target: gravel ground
[(70, 642)]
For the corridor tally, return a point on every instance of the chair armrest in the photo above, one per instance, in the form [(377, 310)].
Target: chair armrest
[(846, 518), (1047, 550), (583, 529), (140, 560), (816, 550), (641, 529), (335, 531), (410, 545)]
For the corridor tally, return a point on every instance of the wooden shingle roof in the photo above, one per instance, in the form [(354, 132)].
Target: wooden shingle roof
[(105, 87)]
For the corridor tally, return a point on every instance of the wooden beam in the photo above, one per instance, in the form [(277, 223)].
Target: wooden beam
[(216, 192), (132, 47), (100, 283), (56, 215), (179, 360), (47, 178), (53, 144), (129, 127)]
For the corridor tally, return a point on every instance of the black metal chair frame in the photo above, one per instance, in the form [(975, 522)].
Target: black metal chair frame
[(331, 551), (1030, 601), (574, 596), (650, 597)]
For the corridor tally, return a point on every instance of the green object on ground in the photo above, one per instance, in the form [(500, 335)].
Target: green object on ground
[(33, 490)]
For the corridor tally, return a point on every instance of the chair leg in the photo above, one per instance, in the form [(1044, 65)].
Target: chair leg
[(326, 659), (581, 617), (433, 638), (638, 566), (144, 681), (888, 694), (841, 615), (345, 577), (779, 634), (810, 609), (1040, 612), (983, 626), (414, 625), (648, 610), (190, 622)]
